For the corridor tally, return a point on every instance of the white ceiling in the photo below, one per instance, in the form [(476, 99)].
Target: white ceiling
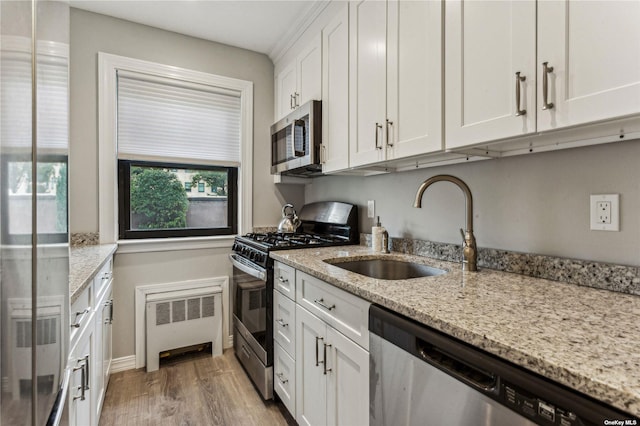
[(258, 25)]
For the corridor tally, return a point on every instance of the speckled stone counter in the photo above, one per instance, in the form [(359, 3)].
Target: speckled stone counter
[(585, 338), (84, 263)]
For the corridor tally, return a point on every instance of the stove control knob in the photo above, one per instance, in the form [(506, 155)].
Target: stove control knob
[(252, 255), (235, 247), (259, 258)]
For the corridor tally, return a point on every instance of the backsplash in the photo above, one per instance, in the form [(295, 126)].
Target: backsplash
[(81, 239), (607, 276)]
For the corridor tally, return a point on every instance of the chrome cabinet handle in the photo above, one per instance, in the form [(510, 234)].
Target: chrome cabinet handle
[(111, 311), (519, 79), (318, 362), (282, 323), (324, 305), (389, 123), (106, 275), (86, 366), (291, 106), (378, 126), (324, 356), (282, 280), (545, 86), (78, 321), (323, 153), (296, 98), (82, 387), (281, 378)]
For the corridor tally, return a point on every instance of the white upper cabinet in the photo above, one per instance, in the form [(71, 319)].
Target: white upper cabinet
[(395, 80), (285, 90), (414, 78), (490, 59), (301, 80), (507, 76), (594, 49), (335, 93), (368, 80)]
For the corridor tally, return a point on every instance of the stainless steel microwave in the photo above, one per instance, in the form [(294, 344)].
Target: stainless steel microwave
[(295, 141)]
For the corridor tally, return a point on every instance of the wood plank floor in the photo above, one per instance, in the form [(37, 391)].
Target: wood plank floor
[(195, 390)]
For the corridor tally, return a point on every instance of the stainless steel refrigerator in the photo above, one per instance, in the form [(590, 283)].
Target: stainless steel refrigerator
[(34, 235)]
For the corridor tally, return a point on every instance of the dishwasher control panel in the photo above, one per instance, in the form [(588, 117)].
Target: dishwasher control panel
[(542, 412)]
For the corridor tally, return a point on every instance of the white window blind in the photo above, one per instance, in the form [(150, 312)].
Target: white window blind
[(176, 121)]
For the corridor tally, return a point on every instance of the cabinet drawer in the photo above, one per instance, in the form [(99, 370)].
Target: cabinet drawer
[(103, 277), (284, 378), (284, 320), (284, 279), (80, 313), (342, 310)]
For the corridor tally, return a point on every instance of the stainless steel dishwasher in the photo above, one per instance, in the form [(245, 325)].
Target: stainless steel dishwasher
[(419, 376)]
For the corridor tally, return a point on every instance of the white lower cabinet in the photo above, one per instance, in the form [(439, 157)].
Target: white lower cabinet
[(332, 375), (91, 348), (81, 386), (321, 358)]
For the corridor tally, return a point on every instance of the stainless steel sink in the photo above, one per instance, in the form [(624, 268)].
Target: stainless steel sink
[(388, 269)]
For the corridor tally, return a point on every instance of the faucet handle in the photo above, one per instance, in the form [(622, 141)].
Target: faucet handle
[(464, 239)]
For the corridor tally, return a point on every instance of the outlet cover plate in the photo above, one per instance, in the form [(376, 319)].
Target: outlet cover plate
[(371, 209), (597, 222)]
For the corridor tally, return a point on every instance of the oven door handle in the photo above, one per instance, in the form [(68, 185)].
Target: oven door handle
[(253, 271)]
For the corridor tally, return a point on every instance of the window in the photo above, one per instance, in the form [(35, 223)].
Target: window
[(137, 86), (172, 136), (154, 203)]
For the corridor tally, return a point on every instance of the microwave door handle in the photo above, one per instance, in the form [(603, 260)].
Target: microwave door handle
[(299, 123)]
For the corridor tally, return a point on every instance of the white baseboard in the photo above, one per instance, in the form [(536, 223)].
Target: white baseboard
[(123, 364)]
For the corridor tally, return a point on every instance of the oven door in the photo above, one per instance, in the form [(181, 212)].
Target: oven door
[(250, 305)]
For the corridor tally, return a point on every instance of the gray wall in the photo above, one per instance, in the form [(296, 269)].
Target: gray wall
[(536, 203), (92, 33)]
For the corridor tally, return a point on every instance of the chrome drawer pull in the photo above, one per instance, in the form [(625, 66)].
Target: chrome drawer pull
[(78, 321), (282, 323), (281, 378), (321, 303), (283, 280)]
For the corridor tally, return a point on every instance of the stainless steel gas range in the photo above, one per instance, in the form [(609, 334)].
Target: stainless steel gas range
[(326, 223)]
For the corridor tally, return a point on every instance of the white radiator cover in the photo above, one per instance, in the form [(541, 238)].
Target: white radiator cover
[(179, 318)]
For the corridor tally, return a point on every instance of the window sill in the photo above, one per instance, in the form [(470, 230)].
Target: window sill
[(174, 244)]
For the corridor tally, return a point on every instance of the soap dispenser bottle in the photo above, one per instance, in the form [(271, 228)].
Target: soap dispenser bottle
[(376, 237)]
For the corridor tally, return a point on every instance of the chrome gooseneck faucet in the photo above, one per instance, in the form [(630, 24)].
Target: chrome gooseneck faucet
[(469, 250)]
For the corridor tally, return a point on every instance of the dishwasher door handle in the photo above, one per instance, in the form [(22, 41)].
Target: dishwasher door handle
[(465, 372)]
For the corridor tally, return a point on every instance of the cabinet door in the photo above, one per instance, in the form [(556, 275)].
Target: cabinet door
[(284, 378), (284, 317), (594, 49), (81, 383), (107, 341), (97, 376), (335, 93), (367, 81), (414, 80), (309, 69), (311, 384), (285, 82), (347, 381), (487, 43)]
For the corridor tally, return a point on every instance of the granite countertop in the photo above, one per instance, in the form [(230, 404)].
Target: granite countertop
[(84, 263), (585, 338)]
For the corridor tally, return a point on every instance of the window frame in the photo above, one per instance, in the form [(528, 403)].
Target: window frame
[(108, 65), (124, 199)]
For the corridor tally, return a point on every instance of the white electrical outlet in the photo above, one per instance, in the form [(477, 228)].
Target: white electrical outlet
[(371, 210), (605, 212)]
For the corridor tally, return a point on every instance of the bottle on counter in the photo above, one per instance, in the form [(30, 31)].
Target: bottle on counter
[(377, 232)]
